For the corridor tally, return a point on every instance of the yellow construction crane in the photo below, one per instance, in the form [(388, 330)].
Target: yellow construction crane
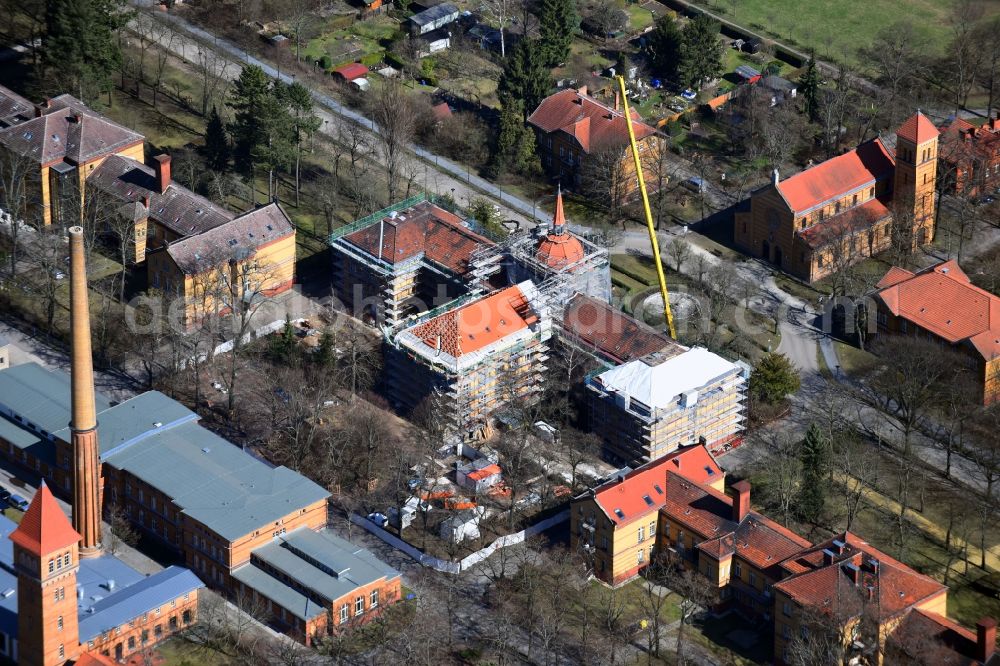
[(649, 214)]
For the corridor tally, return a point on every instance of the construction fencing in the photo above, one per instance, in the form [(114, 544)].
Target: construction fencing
[(448, 566)]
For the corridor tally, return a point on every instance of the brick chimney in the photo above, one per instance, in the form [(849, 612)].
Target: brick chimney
[(741, 500), (618, 101), (162, 167), (582, 90), (995, 123), (43, 108), (986, 638)]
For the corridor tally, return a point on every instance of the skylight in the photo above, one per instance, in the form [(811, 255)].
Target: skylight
[(649, 501), (620, 514), (657, 488), (709, 470)]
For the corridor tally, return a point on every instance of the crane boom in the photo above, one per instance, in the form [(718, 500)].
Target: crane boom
[(668, 315)]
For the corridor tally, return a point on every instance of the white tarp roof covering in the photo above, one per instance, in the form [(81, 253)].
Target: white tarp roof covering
[(658, 386)]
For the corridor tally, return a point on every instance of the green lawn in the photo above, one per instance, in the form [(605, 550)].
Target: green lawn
[(179, 652), (639, 18), (13, 514), (838, 28), (853, 360), (349, 44)]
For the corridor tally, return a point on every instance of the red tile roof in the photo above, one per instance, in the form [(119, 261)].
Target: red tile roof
[(441, 111), (238, 239), (894, 588), (628, 495), (709, 514), (845, 224), (178, 208), (425, 228), (594, 125), (44, 529), (354, 70), (478, 324), (69, 131), (13, 105), (920, 632), (917, 129), (942, 300), (837, 176), (613, 333)]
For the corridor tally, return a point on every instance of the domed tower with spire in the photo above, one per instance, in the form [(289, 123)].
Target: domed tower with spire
[(559, 249), (554, 254)]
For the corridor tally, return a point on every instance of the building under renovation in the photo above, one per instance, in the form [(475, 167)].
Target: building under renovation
[(650, 406), (409, 258), (476, 356), (559, 256)]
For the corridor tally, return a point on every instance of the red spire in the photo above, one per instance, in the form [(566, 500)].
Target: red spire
[(44, 528), (917, 129), (559, 220)]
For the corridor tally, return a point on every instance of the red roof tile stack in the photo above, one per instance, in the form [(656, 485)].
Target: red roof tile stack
[(478, 324), (423, 229)]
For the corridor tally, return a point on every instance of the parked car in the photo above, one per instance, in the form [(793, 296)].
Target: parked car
[(987, 199), (4, 495), (694, 184), (18, 502), (379, 519), (689, 94)]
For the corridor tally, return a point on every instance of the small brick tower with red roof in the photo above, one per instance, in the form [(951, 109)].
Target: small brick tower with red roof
[(46, 559), (915, 176)]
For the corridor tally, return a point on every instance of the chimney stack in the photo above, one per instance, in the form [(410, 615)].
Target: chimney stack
[(162, 167), (582, 90), (618, 100), (775, 177), (83, 427), (43, 108), (853, 572), (741, 500), (986, 638)]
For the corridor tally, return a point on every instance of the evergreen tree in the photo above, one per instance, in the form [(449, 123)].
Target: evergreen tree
[(525, 77), (325, 354), (515, 145), (304, 123), (664, 46), (245, 99), (773, 378), (81, 51), (815, 457), (701, 52), (557, 23), (216, 143), (809, 85)]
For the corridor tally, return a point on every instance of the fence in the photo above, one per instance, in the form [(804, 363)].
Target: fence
[(475, 558)]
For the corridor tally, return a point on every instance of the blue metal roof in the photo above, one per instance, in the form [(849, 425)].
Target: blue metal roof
[(113, 592), (160, 441), (131, 602)]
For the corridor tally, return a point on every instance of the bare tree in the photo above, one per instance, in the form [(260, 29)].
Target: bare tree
[(680, 252), (210, 67), (122, 532), (500, 13), (604, 179), (394, 111), (18, 182)]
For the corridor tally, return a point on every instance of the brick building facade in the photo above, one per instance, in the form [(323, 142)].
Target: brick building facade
[(847, 208)]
